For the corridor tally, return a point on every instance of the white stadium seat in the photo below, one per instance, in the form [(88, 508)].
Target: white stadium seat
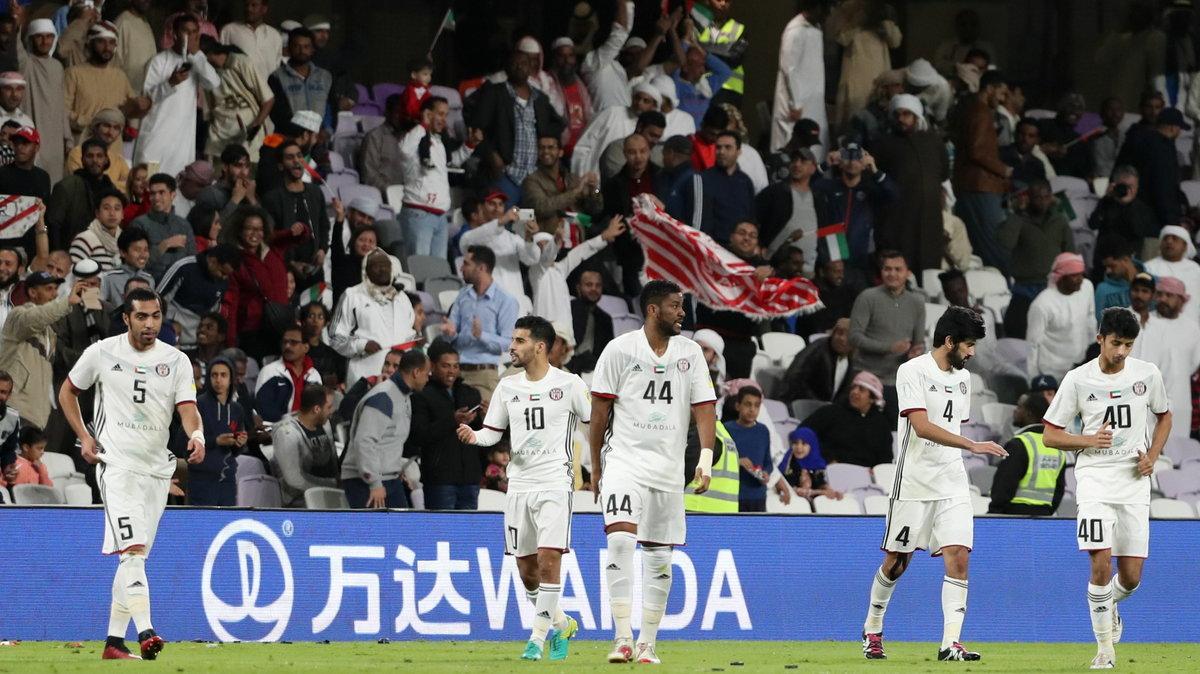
[(875, 505), (884, 475), (79, 494), (797, 506), (847, 476), (1170, 509), (491, 499), (584, 502), (782, 347), (823, 505)]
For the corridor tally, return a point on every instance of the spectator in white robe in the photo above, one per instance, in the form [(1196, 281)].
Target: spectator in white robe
[(371, 318), (679, 123), (609, 125), (1169, 342), (1062, 319), (173, 79), (44, 101), (800, 82), (1177, 258), (548, 278)]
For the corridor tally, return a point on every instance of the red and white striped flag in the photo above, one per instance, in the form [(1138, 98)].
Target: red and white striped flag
[(715, 276)]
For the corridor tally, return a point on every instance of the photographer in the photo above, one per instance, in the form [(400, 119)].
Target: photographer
[(1121, 215), (856, 194)]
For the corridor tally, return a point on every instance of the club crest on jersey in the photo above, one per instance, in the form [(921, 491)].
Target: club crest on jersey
[(684, 364), (660, 369), (138, 369), (556, 394), (162, 369), (962, 387), (1139, 388)]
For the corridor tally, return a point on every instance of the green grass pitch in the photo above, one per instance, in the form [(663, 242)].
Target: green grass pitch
[(588, 656)]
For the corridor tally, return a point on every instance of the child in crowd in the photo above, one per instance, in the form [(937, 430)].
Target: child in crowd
[(495, 476), (30, 469), (420, 75), (753, 441), (213, 481), (804, 469)]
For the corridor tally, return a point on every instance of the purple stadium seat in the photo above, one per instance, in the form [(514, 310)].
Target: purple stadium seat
[(248, 465), (348, 192), (846, 477), (366, 108), (364, 94), (259, 491), (381, 91)]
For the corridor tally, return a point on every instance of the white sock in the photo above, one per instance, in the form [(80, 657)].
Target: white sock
[(656, 587), (954, 609), (881, 593), (619, 574), (118, 614), (1119, 591), (1100, 605), (543, 611), (531, 595), (132, 571)]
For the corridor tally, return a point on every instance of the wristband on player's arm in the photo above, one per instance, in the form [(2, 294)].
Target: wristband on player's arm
[(705, 462), (198, 435)]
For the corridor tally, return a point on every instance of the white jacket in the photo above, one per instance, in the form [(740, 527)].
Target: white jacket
[(551, 296), (360, 319), (428, 188), (511, 251)]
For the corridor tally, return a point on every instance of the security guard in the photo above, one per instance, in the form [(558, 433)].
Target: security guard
[(722, 494), (1030, 481), (724, 38)]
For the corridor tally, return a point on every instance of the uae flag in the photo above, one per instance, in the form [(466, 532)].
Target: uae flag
[(713, 275), (833, 241)]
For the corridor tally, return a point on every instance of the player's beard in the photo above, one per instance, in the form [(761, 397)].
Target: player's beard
[(957, 362)]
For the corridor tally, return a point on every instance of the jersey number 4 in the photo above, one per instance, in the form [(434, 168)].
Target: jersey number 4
[(612, 508), (1118, 416), (664, 392), (948, 413)]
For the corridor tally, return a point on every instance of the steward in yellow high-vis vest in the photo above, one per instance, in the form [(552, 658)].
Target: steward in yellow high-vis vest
[(724, 38), (722, 494), (1031, 480)]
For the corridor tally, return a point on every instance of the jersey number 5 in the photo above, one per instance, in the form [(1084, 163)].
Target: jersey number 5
[(664, 392), (139, 390)]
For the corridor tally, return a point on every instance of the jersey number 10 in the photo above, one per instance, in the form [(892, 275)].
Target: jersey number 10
[(535, 418), (1118, 416)]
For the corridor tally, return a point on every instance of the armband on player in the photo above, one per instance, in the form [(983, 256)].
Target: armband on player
[(705, 463), (198, 435)]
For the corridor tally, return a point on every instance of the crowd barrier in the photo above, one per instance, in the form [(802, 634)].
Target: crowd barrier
[(302, 575)]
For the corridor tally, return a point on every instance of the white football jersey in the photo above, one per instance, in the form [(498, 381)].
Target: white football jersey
[(925, 470), (542, 416), (1125, 400), (652, 407), (136, 396)]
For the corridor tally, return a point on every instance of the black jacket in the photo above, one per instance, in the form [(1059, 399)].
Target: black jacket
[(773, 208), (490, 109), (1157, 164), (1008, 477), (849, 437), (716, 201), (602, 333), (616, 194), (1130, 222), (434, 435), (810, 376)]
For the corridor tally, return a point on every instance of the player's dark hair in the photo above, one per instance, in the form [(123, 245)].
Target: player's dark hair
[(134, 281), (93, 143), (891, 254), (182, 20), (31, 435), (220, 320), (305, 309), (1115, 248), (300, 32), (745, 391), (416, 65), (399, 353), (411, 360), (139, 295), (540, 330), (438, 349), (294, 327), (951, 275), (484, 256), (655, 292), (978, 54), (959, 324), (163, 179), (313, 395), (132, 236), (715, 118), (1119, 322), (1036, 404)]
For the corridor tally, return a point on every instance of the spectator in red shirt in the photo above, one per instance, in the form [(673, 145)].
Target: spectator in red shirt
[(420, 75)]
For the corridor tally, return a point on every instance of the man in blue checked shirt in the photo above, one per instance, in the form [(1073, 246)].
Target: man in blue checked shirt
[(481, 321)]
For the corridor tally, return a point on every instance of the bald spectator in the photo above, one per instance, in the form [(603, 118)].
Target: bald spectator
[(614, 124), (650, 125), (822, 371)]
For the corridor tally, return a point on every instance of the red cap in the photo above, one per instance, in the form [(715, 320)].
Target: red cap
[(28, 133), (496, 194)]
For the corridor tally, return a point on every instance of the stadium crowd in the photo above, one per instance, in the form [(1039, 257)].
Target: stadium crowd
[(344, 266)]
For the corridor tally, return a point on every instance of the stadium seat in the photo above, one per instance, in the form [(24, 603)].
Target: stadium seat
[(1067, 507), (979, 504), (782, 347), (446, 300), (368, 123), (491, 499), (1012, 350), (584, 502), (258, 491), (986, 282), (1191, 190), (434, 286), (876, 505), (971, 460), (348, 192), (429, 302), (1163, 464), (784, 429), (249, 465), (368, 108), (777, 409), (932, 313), (424, 267), (1071, 185), (998, 416), (817, 336), (978, 431), (862, 493), (846, 477), (624, 324), (1170, 509), (1178, 484), (803, 407), (1070, 481), (381, 91), (797, 506), (1180, 450), (35, 494), (884, 475), (337, 164), (335, 182), (79, 494), (614, 306), (325, 498), (982, 477), (524, 306), (931, 285), (771, 379), (823, 505), (60, 465)]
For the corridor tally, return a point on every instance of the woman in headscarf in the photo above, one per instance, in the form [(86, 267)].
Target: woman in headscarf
[(213, 481), (803, 467), (854, 429)]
